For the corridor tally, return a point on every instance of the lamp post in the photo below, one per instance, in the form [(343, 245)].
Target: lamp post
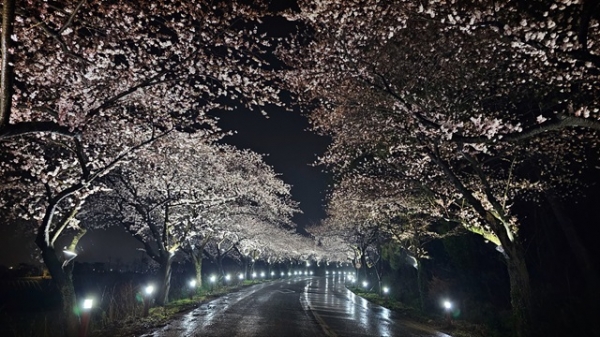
[(365, 284), (192, 288), (212, 280), (88, 303), (227, 278), (386, 292), (448, 308), (147, 299)]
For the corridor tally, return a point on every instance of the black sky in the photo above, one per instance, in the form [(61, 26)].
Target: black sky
[(290, 148)]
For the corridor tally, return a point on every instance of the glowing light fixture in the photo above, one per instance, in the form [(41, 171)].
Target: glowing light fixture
[(88, 303)]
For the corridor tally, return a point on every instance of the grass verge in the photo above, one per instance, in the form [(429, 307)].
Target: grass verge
[(161, 316)]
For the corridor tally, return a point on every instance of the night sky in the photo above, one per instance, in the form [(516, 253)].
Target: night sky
[(290, 149), (283, 137)]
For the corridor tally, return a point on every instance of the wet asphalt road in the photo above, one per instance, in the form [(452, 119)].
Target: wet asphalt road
[(302, 306)]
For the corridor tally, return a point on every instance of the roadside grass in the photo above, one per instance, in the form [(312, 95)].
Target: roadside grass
[(160, 316), (457, 328)]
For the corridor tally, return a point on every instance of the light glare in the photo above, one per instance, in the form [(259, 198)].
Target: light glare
[(88, 303)]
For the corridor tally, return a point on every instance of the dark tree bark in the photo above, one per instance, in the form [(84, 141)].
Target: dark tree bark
[(62, 277), (6, 77), (197, 258), (164, 273)]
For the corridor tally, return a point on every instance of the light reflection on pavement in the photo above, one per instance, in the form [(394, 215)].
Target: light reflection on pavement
[(299, 306)]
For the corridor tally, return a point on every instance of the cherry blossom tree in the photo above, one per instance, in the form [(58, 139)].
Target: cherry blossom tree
[(181, 190), (473, 100), (66, 63), (72, 73), (50, 191)]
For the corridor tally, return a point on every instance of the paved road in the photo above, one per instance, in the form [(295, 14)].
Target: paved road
[(303, 306)]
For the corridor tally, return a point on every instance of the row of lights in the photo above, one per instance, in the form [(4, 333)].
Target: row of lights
[(338, 272), (213, 278)]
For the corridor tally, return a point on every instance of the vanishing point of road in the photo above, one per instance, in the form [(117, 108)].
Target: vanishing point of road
[(303, 306)]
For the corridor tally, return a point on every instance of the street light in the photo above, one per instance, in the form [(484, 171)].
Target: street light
[(212, 279), (448, 307), (148, 291), (262, 274), (192, 288), (253, 275), (272, 273), (282, 274), (386, 290), (241, 276), (88, 303), (365, 284), (227, 277)]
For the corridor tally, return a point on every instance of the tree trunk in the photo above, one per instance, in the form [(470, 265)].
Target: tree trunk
[(378, 273), (162, 297), (219, 262), (363, 262), (421, 280), (6, 65), (64, 283), (198, 267), (520, 288)]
